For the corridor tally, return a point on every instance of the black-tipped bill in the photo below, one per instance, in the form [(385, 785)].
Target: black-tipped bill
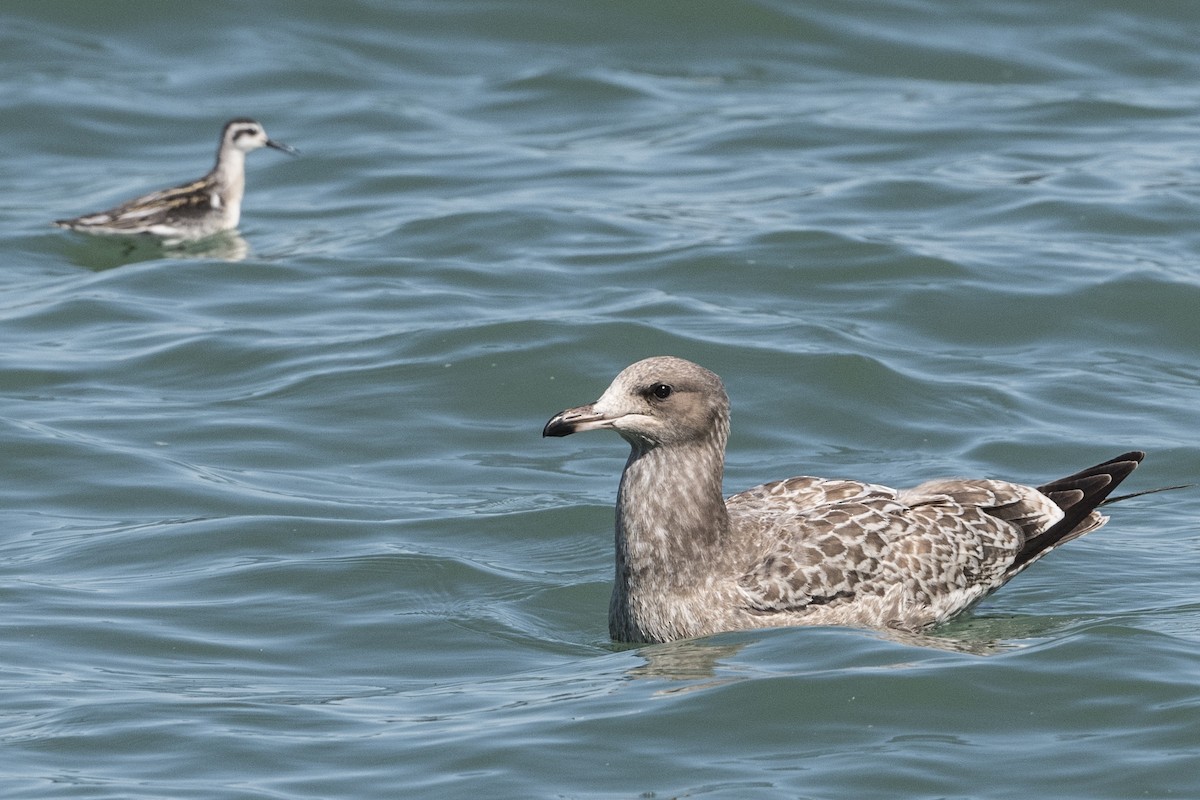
[(287, 148), (573, 420)]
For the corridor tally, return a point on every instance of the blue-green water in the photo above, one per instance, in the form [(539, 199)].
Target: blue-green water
[(275, 517)]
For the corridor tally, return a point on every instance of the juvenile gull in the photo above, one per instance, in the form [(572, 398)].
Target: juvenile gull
[(802, 551)]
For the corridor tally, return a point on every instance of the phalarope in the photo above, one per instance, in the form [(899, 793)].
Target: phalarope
[(803, 551), (193, 210)]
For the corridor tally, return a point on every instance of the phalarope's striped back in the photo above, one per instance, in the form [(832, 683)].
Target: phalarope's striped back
[(194, 210)]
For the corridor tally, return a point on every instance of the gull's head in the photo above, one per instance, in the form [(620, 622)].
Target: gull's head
[(246, 135), (657, 401)]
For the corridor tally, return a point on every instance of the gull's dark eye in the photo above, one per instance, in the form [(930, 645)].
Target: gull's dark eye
[(661, 391)]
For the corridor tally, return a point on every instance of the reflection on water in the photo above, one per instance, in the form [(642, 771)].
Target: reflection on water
[(700, 659), (686, 660), (107, 252)]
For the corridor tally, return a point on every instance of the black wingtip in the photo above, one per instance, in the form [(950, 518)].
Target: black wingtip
[(1078, 495), (1115, 470)]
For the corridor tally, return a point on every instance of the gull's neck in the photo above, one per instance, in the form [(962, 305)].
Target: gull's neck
[(672, 536)]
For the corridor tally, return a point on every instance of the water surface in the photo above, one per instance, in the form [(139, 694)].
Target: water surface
[(275, 517)]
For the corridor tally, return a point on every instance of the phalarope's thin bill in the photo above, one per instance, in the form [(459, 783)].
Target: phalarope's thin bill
[(194, 210)]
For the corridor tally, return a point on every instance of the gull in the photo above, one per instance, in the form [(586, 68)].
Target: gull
[(803, 551)]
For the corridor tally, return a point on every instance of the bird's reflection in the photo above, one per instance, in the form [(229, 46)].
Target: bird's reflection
[(699, 662), (102, 253)]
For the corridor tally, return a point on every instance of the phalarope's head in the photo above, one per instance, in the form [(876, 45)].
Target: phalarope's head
[(246, 135)]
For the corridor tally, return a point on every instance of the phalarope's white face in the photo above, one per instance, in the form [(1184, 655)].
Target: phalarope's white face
[(247, 135)]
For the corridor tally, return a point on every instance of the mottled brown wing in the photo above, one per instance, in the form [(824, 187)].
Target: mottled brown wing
[(821, 556), (929, 551), (804, 523), (802, 493)]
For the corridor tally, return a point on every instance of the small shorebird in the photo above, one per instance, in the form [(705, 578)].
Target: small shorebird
[(803, 551), (194, 210)]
